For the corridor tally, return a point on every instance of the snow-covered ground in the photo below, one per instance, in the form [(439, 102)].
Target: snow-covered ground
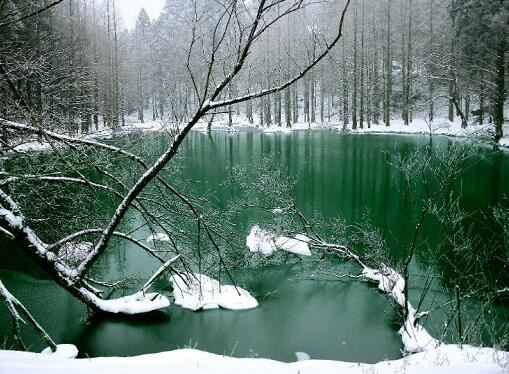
[(445, 359), (439, 126)]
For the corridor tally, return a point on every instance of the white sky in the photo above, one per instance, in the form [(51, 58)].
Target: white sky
[(130, 9)]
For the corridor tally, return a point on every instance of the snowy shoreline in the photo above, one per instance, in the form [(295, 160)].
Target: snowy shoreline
[(440, 127), (445, 359)]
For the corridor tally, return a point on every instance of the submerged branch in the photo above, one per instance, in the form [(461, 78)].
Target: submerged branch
[(14, 305)]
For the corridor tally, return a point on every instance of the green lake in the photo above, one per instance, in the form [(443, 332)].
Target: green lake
[(346, 176)]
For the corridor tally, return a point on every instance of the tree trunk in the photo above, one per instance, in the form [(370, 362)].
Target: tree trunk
[(388, 66), (362, 71), (431, 87), (116, 92), (451, 98), (408, 81), (498, 104), (345, 88), (313, 99), (262, 111), (306, 101), (322, 99), (288, 107), (295, 103), (354, 98)]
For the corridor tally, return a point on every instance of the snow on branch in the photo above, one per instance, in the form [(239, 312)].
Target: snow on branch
[(159, 272), (415, 338), (71, 254), (137, 303)]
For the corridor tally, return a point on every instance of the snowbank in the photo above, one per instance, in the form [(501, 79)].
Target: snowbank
[(446, 359), (198, 291), (277, 129), (267, 243), (63, 351)]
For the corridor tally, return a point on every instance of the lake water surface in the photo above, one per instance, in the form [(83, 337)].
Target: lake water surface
[(345, 176)]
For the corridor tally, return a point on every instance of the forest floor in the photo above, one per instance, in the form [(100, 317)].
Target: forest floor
[(444, 359)]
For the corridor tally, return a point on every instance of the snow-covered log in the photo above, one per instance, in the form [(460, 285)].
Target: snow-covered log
[(415, 338), (137, 303), (159, 273)]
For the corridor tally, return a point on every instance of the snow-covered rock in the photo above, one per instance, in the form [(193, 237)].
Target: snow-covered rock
[(198, 291), (73, 253), (266, 243), (63, 351), (158, 237)]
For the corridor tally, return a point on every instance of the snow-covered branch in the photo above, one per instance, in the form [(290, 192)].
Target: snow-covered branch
[(16, 309), (65, 275), (159, 273), (415, 338)]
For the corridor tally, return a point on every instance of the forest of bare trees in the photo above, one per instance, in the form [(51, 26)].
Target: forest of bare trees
[(78, 67)]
